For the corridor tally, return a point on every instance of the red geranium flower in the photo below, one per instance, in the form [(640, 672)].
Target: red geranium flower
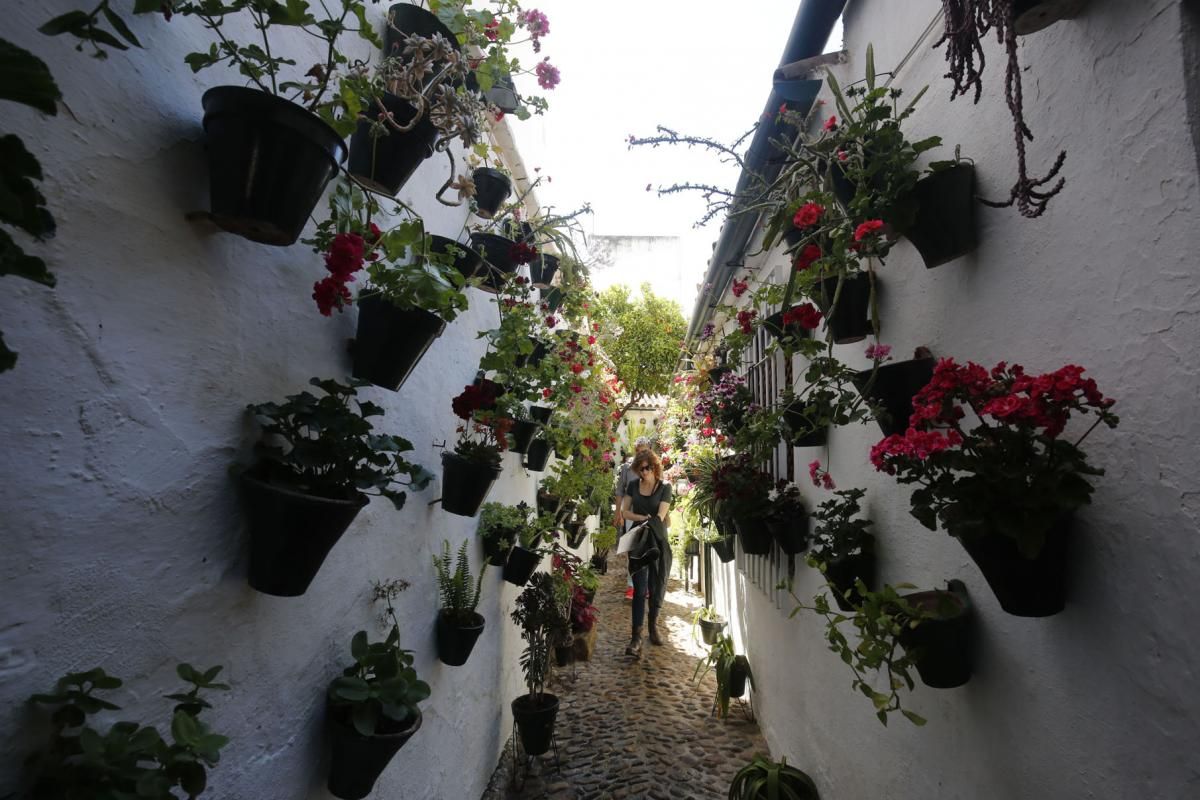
[(808, 256), (808, 215), (868, 228)]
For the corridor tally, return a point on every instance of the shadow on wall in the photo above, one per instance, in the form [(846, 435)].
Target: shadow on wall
[(1189, 11)]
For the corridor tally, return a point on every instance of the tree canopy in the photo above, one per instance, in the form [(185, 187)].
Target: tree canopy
[(642, 335)]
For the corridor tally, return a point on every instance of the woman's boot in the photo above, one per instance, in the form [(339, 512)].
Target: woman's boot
[(634, 648), (655, 637)]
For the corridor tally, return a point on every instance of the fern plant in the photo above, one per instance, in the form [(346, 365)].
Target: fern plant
[(459, 595)]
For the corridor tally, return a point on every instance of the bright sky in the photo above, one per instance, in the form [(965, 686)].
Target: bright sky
[(699, 67)]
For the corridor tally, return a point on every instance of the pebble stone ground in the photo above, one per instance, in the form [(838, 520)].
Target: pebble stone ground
[(637, 729)]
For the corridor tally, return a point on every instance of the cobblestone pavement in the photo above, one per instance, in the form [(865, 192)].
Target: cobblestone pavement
[(637, 729)]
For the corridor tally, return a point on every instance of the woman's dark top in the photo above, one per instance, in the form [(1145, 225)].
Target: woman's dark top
[(648, 504)]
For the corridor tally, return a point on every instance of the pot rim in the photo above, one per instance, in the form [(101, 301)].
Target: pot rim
[(443, 614), (349, 728), (245, 475)]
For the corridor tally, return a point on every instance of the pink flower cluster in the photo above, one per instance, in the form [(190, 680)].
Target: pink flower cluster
[(547, 74), (878, 352), (740, 287), (913, 444), (538, 26), (820, 477)]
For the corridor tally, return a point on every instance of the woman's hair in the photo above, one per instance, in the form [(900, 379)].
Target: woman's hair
[(647, 458)]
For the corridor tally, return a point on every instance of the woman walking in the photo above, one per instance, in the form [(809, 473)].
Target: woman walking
[(648, 499)]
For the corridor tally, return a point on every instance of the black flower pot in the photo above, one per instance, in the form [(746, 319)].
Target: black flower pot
[(1030, 16), (723, 547), (785, 334), (492, 188), (600, 564), (535, 722), (548, 503), (390, 341), (456, 638), (851, 321), (269, 161), (537, 455), (384, 163), (692, 548), (541, 271), (521, 435), (940, 646), (411, 20), (576, 533), (291, 533), (553, 298), (521, 565), (1025, 587), (842, 572), (893, 389), (710, 629), (496, 545), (944, 228), (802, 432), (563, 655), (359, 760), (753, 533), (465, 484), (535, 356), (739, 671), (466, 260), (498, 266), (793, 236), (540, 414), (790, 533)]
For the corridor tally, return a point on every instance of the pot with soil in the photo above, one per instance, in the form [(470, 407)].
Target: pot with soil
[(892, 389), (537, 455), (390, 341), (465, 484), (850, 321), (842, 572), (940, 645), (710, 630), (542, 270), (492, 188), (548, 503), (456, 636)]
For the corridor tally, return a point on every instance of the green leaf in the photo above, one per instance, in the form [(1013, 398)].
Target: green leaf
[(358, 646), (25, 78), (147, 6), (913, 717), (119, 25), (184, 728), (71, 22), (364, 717)]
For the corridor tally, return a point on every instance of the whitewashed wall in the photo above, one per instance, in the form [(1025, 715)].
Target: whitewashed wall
[(123, 543), (1100, 700)]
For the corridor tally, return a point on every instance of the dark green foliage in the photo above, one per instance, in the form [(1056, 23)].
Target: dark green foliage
[(380, 691), (324, 447), (542, 623), (131, 761), (720, 659), (459, 598), (764, 779), (838, 531)]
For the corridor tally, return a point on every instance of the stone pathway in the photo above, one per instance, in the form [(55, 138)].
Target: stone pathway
[(637, 729)]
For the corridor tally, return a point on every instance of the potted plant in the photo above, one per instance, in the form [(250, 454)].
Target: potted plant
[(710, 623), (827, 398), (537, 455), (940, 644), (583, 622), (541, 622), (731, 671), (587, 581), (130, 759), (469, 472), (843, 549), (889, 388), (704, 501), (743, 491), (459, 625), (318, 460), (526, 552), (492, 187), (604, 539), (786, 518), (764, 779), (1006, 488), (372, 711), (500, 526)]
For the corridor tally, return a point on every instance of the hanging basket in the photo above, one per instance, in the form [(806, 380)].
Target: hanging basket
[(542, 271), (851, 321), (944, 228), (492, 188), (498, 266), (466, 260), (941, 646), (521, 565), (723, 547), (291, 533), (384, 163), (269, 161), (842, 572), (710, 630), (893, 389), (535, 722), (496, 545), (1025, 587), (391, 341), (359, 760), (465, 484), (456, 638), (754, 536), (548, 503)]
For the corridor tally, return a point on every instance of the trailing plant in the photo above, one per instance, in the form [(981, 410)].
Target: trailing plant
[(764, 779), (1011, 474), (459, 597), (838, 531), (130, 759), (327, 448), (828, 396), (542, 624), (720, 660)]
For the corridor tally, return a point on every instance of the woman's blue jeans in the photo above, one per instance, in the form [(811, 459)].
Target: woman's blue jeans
[(641, 582)]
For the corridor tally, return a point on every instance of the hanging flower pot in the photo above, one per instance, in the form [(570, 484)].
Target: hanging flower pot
[(466, 260), (576, 533), (535, 721), (521, 435), (540, 350), (892, 391), (803, 434), (492, 188), (541, 270), (790, 532), (739, 671), (521, 565), (841, 573), (465, 484), (723, 547), (1030, 16), (291, 533), (753, 533), (456, 637), (710, 630), (548, 503), (384, 163), (940, 645), (692, 548), (944, 228), (1025, 587), (496, 544), (553, 298), (359, 760), (498, 265), (269, 161), (537, 455), (390, 341), (540, 414), (787, 333), (851, 321), (406, 19)]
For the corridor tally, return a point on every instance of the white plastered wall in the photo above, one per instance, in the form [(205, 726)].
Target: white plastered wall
[(1100, 700)]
